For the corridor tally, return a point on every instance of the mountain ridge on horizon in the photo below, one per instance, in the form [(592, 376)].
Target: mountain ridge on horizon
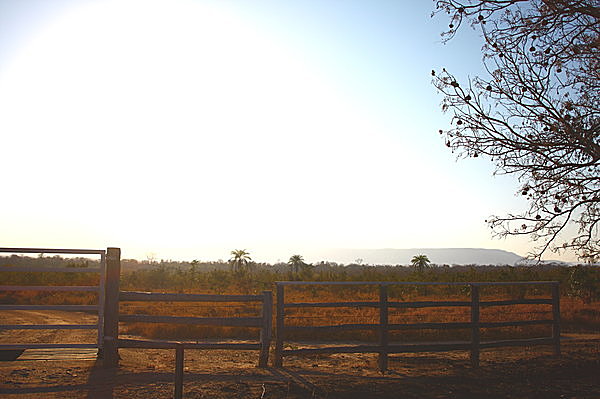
[(439, 256)]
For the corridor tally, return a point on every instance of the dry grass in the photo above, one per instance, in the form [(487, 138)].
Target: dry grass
[(576, 316)]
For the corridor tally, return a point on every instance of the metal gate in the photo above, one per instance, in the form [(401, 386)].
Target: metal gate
[(99, 289)]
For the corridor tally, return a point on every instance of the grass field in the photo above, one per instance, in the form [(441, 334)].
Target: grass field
[(579, 288)]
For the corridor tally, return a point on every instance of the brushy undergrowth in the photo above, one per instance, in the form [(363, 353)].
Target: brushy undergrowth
[(579, 288)]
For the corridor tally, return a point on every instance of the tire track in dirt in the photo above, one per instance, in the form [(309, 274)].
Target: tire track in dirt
[(46, 336)]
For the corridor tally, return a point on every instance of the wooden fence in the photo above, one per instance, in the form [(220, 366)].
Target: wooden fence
[(112, 318), (383, 347), (99, 307)]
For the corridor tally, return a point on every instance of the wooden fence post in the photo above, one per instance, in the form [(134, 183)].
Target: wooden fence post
[(179, 370), (383, 328), (111, 307), (556, 318), (279, 325), (475, 337), (265, 331)]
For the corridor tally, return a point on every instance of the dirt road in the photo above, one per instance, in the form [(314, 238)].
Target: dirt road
[(507, 373)]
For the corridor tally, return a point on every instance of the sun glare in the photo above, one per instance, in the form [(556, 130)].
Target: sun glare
[(172, 124)]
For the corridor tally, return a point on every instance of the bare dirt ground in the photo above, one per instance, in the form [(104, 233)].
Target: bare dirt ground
[(504, 373)]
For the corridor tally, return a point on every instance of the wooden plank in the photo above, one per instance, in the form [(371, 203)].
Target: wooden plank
[(430, 326), (48, 288), (336, 327), (516, 302), (331, 304), (48, 326), (334, 349), (68, 354), (101, 303), (517, 342), (52, 251), (51, 269), (428, 304), (111, 307), (178, 371), (475, 333), (80, 308), (391, 327), (403, 348), (173, 297), (414, 283), (152, 344), (265, 331), (383, 330), (366, 283), (429, 347), (207, 321), (556, 318), (514, 323), (279, 325), (418, 304), (41, 346), (490, 283)]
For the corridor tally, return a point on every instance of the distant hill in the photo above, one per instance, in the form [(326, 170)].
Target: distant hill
[(440, 256)]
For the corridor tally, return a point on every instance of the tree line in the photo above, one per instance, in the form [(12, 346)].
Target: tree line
[(242, 274)]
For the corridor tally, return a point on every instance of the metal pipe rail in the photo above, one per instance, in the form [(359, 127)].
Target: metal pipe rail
[(99, 289)]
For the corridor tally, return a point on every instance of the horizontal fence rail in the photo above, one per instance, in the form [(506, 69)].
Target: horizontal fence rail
[(53, 251), (383, 327), (99, 289), (114, 296), (263, 322)]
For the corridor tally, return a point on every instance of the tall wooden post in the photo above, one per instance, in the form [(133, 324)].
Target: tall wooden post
[(179, 370), (265, 331), (556, 318), (111, 307), (475, 337), (280, 325), (383, 328)]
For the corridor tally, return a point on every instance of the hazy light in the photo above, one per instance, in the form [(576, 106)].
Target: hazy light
[(171, 126)]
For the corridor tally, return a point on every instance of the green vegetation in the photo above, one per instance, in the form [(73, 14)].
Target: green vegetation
[(420, 262), (579, 286)]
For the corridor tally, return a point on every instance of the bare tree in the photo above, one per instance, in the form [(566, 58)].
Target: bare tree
[(535, 114)]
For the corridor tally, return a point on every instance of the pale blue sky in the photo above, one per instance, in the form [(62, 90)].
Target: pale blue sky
[(190, 128)]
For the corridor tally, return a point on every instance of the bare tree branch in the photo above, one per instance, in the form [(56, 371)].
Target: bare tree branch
[(536, 114)]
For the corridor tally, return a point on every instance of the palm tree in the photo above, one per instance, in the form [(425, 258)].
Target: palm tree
[(420, 262), (240, 259), (297, 263)]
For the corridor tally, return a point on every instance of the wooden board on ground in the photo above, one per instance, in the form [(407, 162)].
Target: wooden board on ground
[(59, 354)]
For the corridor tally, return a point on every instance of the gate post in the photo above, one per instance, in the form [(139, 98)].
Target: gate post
[(279, 326), (265, 331), (383, 328), (475, 337), (556, 318), (179, 370), (111, 307)]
